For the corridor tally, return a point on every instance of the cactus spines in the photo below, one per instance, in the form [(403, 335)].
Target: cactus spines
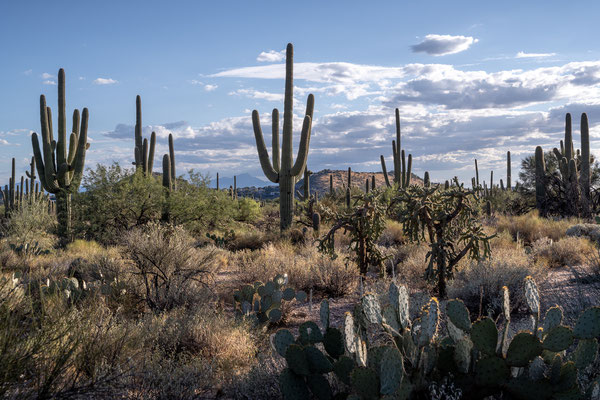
[(459, 314), (523, 348), (588, 324), (540, 179), (585, 175), (281, 341), (60, 172), (429, 322), (288, 171), (485, 336), (558, 339), (508, 171), (391, 371)]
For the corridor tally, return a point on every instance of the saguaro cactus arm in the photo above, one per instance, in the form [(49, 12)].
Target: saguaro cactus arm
[(384, 169), (303, 149), (263, 154), (275, 139)]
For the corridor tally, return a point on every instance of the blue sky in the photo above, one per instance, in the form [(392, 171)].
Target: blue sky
[(471, 79)]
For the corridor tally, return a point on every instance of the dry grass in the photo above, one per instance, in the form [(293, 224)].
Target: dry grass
[(392, 235), (479, 283), (531, 227), (306, 268), (571, 251)]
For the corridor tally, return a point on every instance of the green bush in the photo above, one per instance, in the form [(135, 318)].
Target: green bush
[(30, 225), (114, 201)]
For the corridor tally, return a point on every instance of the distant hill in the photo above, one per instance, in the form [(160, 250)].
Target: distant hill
[(319, 182), (243, 180)]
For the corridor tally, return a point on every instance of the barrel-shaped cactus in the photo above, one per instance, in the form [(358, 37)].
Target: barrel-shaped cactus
[(60, 169), (287, 172)]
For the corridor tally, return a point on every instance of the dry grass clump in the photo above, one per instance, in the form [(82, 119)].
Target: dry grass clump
[(569, 251), (306, 268), (392, 235), (172, 271), (479, 283), (531, 227), (206, 333), (410, 265)]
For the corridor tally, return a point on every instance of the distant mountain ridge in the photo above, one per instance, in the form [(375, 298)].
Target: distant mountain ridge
[(319, 182)]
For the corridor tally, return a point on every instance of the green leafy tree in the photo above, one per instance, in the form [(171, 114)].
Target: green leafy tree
[(115, 200), (448, 220)]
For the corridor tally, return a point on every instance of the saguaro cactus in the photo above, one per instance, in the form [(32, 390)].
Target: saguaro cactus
[(168, 166), (540, 179), (289, 171), (508, 171), (144, 154), (401, 173), (585, 176), (59, 171)]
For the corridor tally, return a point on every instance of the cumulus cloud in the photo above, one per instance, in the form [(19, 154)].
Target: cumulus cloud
[(46, 75), (49, 82), (441, 45), (271, 56), (522, 54), (210, 88), (104, 81)]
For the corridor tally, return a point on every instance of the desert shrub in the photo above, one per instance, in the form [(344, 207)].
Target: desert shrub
[(531, 227), (480, 282), (248, 210), (171, 269), (61, 352), (251, 240), (30, 224), (566, 251), (410, 263), (115, 200), (392, 235), (200, 209), (306, 268), (511, 202)]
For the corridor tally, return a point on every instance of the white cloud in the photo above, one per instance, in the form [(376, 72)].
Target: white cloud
[(3, 141), (256, 94), (210, 88), (28, 72), (46, 75), (49, 82), (271, 56), (522, 54), (441, 45), (104, 81)]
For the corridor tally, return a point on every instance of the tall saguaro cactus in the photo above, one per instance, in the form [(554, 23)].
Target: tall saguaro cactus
[(287, 172), (144, 153), (585, 175), (508, 171), (540, 179), (59, 171), (401, 172)]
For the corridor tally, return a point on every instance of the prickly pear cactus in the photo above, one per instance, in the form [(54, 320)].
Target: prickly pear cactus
[(264, 303)]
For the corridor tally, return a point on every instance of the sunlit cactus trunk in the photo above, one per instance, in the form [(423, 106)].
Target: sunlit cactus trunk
[(288, 172)]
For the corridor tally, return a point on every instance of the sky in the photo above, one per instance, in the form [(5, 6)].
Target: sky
[(471, 79)]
